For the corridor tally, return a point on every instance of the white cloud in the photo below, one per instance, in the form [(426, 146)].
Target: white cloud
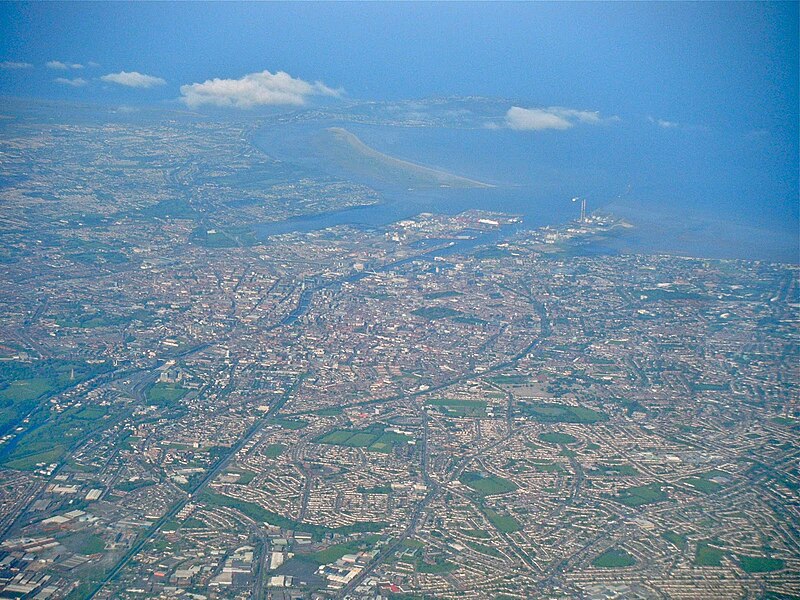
[(77, 82), (555, 117), (92, 64), (13, 64), (663, 123), (133, 79), (62, 66), (255, 89)]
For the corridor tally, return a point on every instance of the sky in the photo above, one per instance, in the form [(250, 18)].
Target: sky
[(703, 63), (730, 68)]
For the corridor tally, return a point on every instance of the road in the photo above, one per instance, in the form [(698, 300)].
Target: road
[(209, 477)]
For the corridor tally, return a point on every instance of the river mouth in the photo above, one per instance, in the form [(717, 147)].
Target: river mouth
[(525, 181)]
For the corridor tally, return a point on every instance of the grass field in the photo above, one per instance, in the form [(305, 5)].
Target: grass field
[(439, 567), (274, 450), (484, 549), (676, 539), (26, 389), (760, 564), (28, 462), (84, 543), (555, 437), (503, 523), (615, 470), (614, 558), (433, 313), (510, 379), (546, 466), (49, 436), (290, 423), (374, 439), (552, 412), (707, 555), (487, 485), (164, 394), (703, 483), (460, 408), (641, 495)]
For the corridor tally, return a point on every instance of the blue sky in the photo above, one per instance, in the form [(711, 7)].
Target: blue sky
[(704, 63)]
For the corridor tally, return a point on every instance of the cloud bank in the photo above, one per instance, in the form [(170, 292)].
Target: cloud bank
[(555, 117), (77, 82), (255, 89), (133, 79), (13, 64)]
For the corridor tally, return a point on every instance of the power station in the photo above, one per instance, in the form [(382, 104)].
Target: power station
[(583, 208)]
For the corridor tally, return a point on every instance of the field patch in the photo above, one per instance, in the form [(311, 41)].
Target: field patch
[(614, 558), (552, 412), (460, 408), (487, 485), (641, 495)]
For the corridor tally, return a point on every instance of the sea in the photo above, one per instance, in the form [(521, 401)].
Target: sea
[(681, 195)]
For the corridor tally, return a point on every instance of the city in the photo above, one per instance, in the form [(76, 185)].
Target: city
[(448, 406)]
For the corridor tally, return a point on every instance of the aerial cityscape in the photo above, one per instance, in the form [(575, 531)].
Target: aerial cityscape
[(267, 338)]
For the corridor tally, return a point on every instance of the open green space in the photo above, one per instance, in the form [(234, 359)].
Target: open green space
[(172, 208), (373, 438), (445, 294), (676, 539), (229, 237), (274, 450), (26, 389), (760, 564), (641, 495), (703, 483), (469, 320), (437, 567), (433, 313), (552, 412), (614, 470), (292, 424), (614, 558), (460, 408), (707, 555), (487, 485), (245, 477), (503, 523), (510, 379), (556, 437), (24, 385), (84, 542), (378, 489), (547, 466), (165, 394), (48, 436)]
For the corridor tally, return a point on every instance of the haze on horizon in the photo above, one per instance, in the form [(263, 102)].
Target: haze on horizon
[(713, 87)]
